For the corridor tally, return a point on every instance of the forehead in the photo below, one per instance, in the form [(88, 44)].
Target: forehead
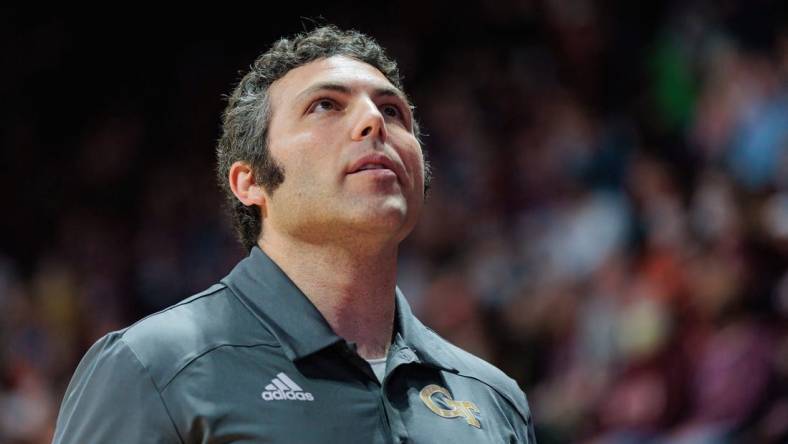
[(336, 69)]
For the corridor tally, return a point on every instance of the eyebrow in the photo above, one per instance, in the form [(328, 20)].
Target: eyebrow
[(344, 89)]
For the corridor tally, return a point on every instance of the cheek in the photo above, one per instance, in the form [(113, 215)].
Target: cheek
[(304, 156), (414, 161)]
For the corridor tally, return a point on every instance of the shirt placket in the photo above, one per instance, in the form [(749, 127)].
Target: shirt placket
[(348, 349), (399, 355)]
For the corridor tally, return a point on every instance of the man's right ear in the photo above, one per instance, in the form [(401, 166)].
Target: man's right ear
[(244, 186)]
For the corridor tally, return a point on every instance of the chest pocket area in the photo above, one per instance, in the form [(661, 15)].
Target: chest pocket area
[(434, 411)]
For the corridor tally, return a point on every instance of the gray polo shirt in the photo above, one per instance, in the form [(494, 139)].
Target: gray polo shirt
[(252, 360)]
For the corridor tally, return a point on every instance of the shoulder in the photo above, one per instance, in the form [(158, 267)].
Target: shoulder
[(473, 367), (167, 341), (111, 398)]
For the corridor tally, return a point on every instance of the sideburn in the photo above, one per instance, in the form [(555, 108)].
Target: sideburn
[(270, 174)]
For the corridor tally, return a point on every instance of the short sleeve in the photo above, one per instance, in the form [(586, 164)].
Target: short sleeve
[(112, 399), (527, 433)]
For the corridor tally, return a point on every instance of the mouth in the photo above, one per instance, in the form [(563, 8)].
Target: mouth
[(377, 164), (372, 166)]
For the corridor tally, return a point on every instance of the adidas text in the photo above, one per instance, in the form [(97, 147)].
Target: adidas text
[(282, 387), (297, 396)]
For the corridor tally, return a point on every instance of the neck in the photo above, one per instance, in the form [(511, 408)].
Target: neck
[(353, 291)]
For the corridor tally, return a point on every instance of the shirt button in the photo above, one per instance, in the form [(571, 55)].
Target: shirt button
[(407, 355)]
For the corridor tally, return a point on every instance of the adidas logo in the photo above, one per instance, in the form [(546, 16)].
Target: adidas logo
[(282, 387)]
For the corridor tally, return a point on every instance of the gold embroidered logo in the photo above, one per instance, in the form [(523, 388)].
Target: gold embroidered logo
[(436, 398)]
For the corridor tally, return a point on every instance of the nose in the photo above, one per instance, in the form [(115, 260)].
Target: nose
[(369, 122)]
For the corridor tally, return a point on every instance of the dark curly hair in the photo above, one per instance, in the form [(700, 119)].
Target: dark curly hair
[(246, 118)]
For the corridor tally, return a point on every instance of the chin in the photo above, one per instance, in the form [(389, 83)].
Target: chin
[(382, 219), (384, 222), (388, 215)]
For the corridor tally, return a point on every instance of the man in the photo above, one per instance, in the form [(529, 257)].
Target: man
[(307, 340)]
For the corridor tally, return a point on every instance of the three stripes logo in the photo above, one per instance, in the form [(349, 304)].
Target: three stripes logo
[(282, 387)]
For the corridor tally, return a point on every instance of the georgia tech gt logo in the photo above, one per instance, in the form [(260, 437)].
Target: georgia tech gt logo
[(436, 397)]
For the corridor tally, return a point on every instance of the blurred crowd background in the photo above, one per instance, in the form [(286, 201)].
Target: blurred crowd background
[(608, 223)]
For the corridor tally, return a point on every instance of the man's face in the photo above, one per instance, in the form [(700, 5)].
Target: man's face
[(353, 168)]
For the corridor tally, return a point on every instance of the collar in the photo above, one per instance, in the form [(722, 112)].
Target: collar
[(298, 325), (413, 335), (281, 306)]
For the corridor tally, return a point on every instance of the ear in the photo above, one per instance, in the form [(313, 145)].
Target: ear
[(245, 187)]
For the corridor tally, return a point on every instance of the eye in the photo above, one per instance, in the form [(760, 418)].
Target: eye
[(391, 111), (323, 105)]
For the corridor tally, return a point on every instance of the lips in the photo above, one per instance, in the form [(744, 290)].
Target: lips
[(371, 166), (373, 161)]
